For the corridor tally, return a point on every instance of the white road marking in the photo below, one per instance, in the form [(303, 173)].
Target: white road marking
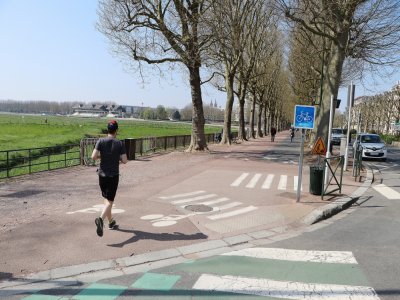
[(296, 183), (96, 209), (387, 192), (219, 200), (337, 257), (253, 181), (233, 213), (282, 182), (227, 206), (182, 195), (268, 181), (193, 199), (283, 289), (239, 180)]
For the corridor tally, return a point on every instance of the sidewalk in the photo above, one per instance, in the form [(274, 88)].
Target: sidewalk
[(173, 208)]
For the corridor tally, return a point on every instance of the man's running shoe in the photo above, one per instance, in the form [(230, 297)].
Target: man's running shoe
[(99, 226), (112, 225)]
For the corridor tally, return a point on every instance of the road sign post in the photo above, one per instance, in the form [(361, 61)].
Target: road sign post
[(304, 118)]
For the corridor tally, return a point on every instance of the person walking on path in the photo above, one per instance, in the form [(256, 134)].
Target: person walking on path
[(273, 133), (291, 134), (110, 151)]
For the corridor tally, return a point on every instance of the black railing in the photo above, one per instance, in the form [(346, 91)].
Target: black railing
[(27, 161), (33, 160), (146, 145)]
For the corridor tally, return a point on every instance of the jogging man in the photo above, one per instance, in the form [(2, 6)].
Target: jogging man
[(110, 151)]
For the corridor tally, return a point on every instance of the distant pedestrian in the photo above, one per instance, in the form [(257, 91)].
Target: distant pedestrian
[(291, 134), (110, 151), (273, 133)]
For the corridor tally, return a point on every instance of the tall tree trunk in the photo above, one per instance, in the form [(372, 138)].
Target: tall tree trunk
[(266, 127), (226, 136), (252, 117), (259, 121), (242, 123), (198, 140), (330, 86)]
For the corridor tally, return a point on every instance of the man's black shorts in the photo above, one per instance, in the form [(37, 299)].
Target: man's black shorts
[(108, 186)]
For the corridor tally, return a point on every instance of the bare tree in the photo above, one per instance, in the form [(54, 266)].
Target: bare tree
[(262, 43), (231, 22), (364, 33), (157, 32)]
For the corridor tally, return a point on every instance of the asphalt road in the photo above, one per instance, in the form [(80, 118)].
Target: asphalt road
[(371, 231)]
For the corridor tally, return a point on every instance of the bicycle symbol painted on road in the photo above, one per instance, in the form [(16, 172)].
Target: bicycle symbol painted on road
[(159, 220), (96, 209)]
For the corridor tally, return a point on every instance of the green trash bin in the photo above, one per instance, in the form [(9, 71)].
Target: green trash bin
[(316, 179)]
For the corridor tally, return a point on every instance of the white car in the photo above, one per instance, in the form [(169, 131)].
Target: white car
[(372, 146), (337, 135)]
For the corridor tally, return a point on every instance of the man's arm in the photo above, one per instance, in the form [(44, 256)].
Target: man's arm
[(123, 158), (95, 154)]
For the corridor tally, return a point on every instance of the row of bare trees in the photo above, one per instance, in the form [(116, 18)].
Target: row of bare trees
[(239, 47), (235, 45), (338, 40)]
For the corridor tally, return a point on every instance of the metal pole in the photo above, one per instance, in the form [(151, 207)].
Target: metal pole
[(356, 143), (350, 99), (328, 150), (300, 167)]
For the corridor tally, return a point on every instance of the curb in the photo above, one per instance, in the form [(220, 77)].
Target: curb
[(338, 205)]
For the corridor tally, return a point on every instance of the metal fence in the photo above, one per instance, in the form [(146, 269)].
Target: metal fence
[(33, 160), (27, 161), (143, 146)]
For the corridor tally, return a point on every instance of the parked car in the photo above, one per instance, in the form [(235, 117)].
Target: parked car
[(372, 146), (337, 134)]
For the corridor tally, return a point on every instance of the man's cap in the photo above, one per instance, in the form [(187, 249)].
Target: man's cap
[(112, 125)]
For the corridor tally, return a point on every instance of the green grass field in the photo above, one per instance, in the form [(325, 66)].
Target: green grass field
[(33, 131)]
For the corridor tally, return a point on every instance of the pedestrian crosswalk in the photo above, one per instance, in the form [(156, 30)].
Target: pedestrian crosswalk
[(248, 273), (388, 192), (283, 274), (221, 207), (199, 202), (266, 181)]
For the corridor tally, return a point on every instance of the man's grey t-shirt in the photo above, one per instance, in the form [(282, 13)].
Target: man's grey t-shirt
[(110, 151)]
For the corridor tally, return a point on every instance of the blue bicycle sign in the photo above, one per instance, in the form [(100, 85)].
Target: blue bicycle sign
[(304, 116)]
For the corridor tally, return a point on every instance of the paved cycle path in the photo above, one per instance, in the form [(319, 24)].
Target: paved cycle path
[(170, 201)]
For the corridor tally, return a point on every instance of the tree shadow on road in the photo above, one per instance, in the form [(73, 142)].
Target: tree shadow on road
[(143, 235)]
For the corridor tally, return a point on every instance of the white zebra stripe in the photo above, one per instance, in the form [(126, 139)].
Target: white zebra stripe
[(296, 183), (182, 195), (253, 181), (268, 181), (388, 192), (219, 200), (282, 182), (338, 257), (239, 180), (233, 213), (283, 289), (227, 206), (194, 199)]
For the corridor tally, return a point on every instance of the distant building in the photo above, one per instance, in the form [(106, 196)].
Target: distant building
[(112, 110), (90, 110)]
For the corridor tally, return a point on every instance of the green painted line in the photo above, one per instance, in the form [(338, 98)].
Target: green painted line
[(324, 273), (100, 291), (189, 294), (154, 281), (42, 297)]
